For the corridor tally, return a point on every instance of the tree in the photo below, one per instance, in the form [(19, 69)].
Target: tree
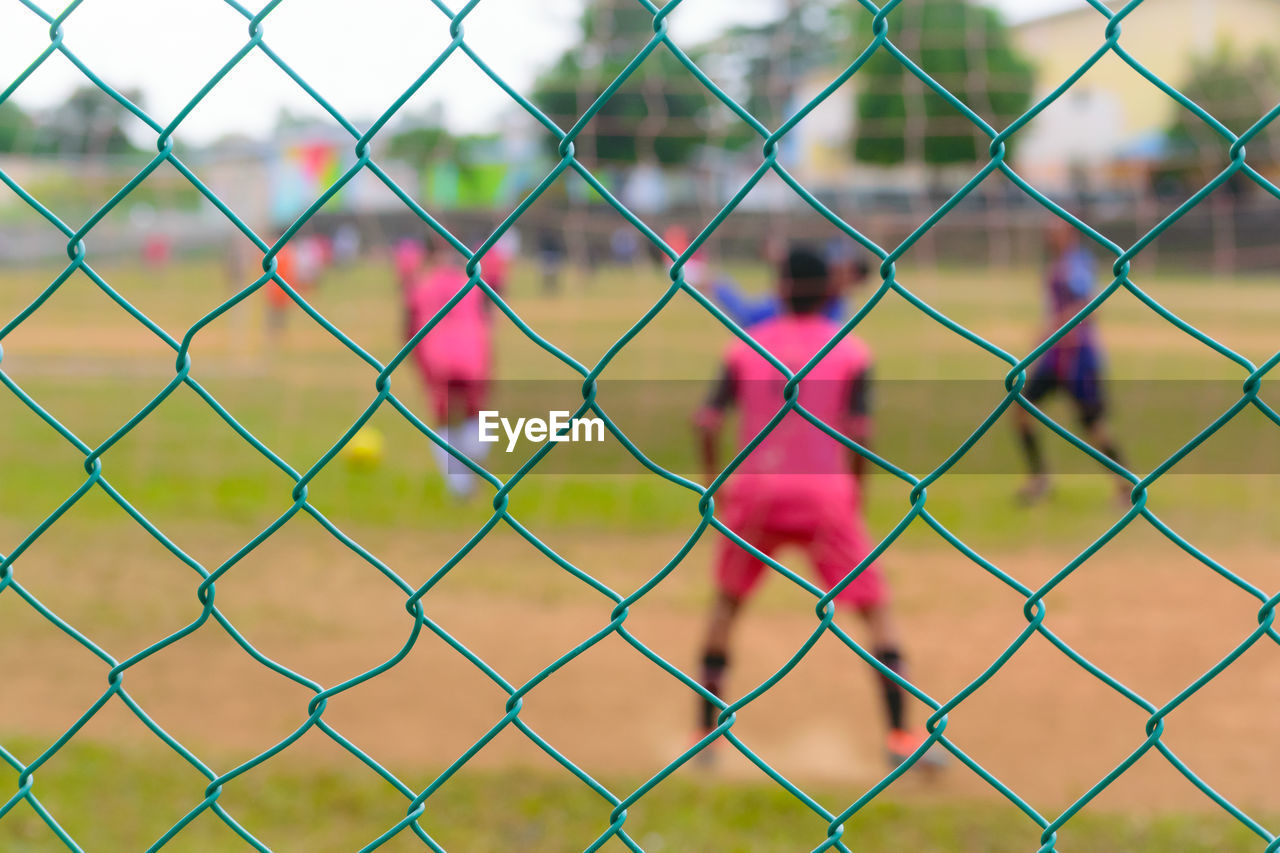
[(964, 47), (419, 146), (15, 129), (657, 115), (762, 65), (1237, 90), (86, 123)]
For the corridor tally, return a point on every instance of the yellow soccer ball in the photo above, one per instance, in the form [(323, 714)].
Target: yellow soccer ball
[(364, 450)]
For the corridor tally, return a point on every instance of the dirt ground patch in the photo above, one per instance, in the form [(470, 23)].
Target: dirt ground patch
[(1141, 610)]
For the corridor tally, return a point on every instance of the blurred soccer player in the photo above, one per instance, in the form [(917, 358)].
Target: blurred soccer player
[(346, 244), (799, 486), (1073, 364), (551, 254), (278, 301), (299, 262), (848, 266), (408, 257), (495, 266), (678, 240), (455, 357)]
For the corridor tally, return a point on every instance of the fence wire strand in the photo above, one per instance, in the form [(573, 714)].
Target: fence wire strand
[(615, 805)]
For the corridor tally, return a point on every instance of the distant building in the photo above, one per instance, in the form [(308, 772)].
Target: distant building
[(1110, 126), (271, 182), (1106, 132), (822, 144)]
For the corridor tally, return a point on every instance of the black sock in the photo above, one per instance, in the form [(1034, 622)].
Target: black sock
[(714, 665), (1031, 449), (894, 695), (1112, 452)]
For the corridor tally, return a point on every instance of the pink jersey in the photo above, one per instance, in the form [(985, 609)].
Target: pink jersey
[(796, 456), (407, 257), (459, 346)]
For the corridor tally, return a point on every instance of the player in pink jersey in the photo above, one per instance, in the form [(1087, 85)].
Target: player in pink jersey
[(455, 357), (799, 486), (408, 257)]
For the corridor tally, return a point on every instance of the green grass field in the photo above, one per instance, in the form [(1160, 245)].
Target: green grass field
[(1142, 609), (310, 808), (92, 366)]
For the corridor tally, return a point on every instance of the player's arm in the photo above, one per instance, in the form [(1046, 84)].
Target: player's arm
[(859, 423), (709, 421), (741, 308), (835, 310)]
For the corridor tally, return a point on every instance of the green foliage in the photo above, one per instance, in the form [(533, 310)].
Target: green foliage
[(656, 116), (458, 171), (15, 128), (772, 58), (1237, 89), (87, 123), (419, 146), (964, 47)]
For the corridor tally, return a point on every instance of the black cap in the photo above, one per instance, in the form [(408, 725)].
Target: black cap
[(806, 280), (804, 263)]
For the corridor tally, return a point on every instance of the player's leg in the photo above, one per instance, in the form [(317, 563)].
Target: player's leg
[(442, 396), (868, 595), (886, 646), (464, 398), (902, 739), (840, 545), (1099, 436), (1042, 381), (1091, 405), (715, 655), (737, 573), (277, 310), (472, 398), (468, 397)]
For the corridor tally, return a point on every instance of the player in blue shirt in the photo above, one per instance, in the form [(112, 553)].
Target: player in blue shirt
[(1074, 364)]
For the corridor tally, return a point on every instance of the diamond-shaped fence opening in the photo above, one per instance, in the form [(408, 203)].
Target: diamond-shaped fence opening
[(625, 111)]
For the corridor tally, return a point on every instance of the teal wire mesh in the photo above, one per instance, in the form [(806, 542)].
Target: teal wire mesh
[(615, 804)]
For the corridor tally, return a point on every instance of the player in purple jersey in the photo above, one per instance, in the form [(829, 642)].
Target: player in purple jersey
[(1074, 364)]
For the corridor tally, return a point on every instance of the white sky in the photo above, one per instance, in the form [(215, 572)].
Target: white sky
[(359, 61)]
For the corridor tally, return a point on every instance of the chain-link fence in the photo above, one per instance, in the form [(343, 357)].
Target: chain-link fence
[(79, 249)]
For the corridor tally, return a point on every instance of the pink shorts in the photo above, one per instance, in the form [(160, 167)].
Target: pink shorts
[(831, 531)]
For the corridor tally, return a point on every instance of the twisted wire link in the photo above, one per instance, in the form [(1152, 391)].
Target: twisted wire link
[(702, 499)]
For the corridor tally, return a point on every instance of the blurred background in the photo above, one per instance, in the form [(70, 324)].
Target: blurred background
[(883, 144), (881, 151)]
